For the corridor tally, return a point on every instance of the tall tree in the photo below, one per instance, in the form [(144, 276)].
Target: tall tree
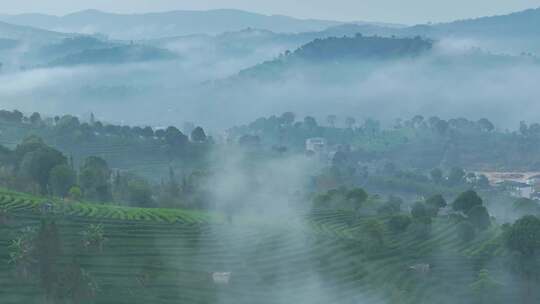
[(331, 120), (287, 118), (198, 135), (467, 201), (486, 125), (420, 212), (456, 176), (350, 122), (62, 179), (94, 179), (175, 139), (357, 197), (523, 238), (36, 160), (434, 203), (35, 118), (310, 123), (479, 217)]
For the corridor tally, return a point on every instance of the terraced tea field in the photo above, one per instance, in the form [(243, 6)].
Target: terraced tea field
[(169, 256)]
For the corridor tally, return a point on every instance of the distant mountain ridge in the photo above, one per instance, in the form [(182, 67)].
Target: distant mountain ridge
[(517, 27), (164, 24), (257, 45), (525, 22), (26, 33), (241, 38), (114, 55)]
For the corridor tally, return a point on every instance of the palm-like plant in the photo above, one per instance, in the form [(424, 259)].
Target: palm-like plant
[(21, 252), (94, 237)]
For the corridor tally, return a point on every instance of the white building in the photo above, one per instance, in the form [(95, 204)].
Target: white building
[(526, 192), (316, 145)]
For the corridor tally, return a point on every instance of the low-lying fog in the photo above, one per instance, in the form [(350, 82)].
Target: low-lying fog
[(449, 82)]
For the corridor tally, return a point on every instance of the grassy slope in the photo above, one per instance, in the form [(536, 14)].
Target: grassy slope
[(324, 262)]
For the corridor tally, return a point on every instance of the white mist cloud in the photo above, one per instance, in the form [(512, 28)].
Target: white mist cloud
[(466, 84)]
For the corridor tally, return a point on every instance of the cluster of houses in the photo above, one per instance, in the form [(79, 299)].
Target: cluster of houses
[(519, 184), (316, 145), (320, 148)]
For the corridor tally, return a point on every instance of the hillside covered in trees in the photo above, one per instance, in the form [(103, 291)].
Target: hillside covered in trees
[(341, 51)]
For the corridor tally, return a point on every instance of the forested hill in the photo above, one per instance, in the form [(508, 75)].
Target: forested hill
[(29, 34), (114, 55), (524, 23), (360, 47), (342, 50)]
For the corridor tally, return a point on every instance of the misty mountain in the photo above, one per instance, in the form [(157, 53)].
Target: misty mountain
[(385, 77), (114, 55), (340, 51), (525, 24), (29, 34), (513, 33), (19, 43), (257, 43), (361, 48), (76, 50), (59, 49), (319, 76), (164, 24), (257, 36), (75, 44), (250, 46)]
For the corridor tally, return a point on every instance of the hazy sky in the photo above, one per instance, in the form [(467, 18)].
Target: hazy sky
[(399, 11)]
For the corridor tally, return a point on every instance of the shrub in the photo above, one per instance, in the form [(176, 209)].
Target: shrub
[(94, 237), (399, 223)]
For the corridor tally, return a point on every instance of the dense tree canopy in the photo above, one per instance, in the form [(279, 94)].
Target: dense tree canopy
[(198, 135), (479, 217), (419, 211), (94, 179), (467, 201), (524, 235), (37, 160), (434, 203), (62, 179)]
